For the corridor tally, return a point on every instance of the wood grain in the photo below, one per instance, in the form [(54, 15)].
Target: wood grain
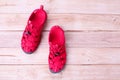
[(73, 39), (77, 56), (77, 22), (58, 6), (37, 72)]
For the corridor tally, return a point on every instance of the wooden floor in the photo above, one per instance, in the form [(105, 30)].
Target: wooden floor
[(92, 31)]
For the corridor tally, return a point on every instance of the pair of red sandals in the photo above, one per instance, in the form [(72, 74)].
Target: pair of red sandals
[(32, 36)]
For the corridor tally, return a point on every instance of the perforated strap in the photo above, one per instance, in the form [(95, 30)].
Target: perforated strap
[(57, 57), (31, 37)]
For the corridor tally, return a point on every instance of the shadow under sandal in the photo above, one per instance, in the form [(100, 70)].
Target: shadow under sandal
[(32, 33), (57, 54)]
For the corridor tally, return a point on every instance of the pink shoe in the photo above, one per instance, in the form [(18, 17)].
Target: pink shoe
[(32, 33), (57, 55)]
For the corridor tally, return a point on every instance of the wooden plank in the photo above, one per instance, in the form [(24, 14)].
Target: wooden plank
[(67, 21), (73, 39), (71, 72), (22, 6), (58, 6), (74, 56)]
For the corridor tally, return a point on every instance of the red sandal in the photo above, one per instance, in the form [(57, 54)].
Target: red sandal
[(57, 55), (32, 33)]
